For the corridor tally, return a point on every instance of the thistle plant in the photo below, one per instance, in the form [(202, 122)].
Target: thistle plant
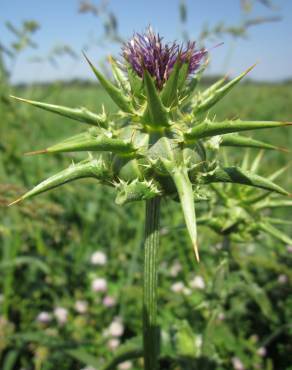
[(243, 214), (163, 142)]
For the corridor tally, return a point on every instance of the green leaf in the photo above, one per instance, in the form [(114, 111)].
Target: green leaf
[(10, 359), (26, 260), (84, 357), (238, 176), (119, 75), (89, 168), (271, 230), (186, 196), (247, 142), (117, 95), (135, 191), (219, 93), (131, 349), (90, 143), (77, 114), (169, 92), (157, 113), (209, 128)]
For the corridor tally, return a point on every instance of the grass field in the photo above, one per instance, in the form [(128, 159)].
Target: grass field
[(46, 244)]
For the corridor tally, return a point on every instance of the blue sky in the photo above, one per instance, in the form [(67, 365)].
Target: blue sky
[(268, 44)]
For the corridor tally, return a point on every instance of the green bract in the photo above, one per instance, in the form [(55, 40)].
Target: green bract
[(161, 143)]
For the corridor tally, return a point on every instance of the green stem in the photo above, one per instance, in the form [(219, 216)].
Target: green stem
[(150, 328)]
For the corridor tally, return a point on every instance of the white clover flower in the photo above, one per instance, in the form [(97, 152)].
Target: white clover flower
[(237, 364), (109, 301), (262, 351), (99, 285), (198, 283), (175, 269), (221, 316), (98, 258), (61, 315), (44, 317), (282, 279), (81, 306), (178, 287), (113, 344), (116, 328), (125, 365)]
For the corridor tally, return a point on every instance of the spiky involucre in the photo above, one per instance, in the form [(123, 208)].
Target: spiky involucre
[(162, 142)]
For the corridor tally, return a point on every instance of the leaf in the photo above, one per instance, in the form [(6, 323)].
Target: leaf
[(119, 75), (77, 114), (155, 110), (238, 176), (117, 95), (10, 359), (186, 196), (169, 92), (90, 143), (26, 260), (84, 357), (135, 191), (88, 168), (271, 230), (247, 142), (218, 94), (131, 349), (208, 128)]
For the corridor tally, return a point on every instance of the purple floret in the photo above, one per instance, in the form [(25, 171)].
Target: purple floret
[(147, 51)]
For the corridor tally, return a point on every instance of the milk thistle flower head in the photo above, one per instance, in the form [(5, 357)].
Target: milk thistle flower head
[(148, 52)]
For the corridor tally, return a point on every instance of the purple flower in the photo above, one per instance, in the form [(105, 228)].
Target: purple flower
[(148, 51)]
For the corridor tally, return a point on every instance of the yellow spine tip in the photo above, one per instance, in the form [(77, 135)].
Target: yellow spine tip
[(42, 151), (195, 246), (15, 202)]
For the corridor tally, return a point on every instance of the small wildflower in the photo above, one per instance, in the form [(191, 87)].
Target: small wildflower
[(178, 287), (99, 285), (116, 328), (198, 283), (109, 301), (237, 364), (262, 351), (61, 315), (98, 258), (148, 51), (175, 269), (221, 316), (113, 344), (125, 365), (282, 279), (44, 317), (289, 248), (81, 306)]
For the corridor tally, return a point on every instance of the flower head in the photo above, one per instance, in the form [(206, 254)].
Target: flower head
[(148, 51), (99, 285), (98, 258), (61, 315)]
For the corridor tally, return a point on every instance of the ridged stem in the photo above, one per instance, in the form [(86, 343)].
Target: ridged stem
[(151, 244)]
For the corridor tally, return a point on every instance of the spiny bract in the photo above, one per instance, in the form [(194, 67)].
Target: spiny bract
[(162, 142)]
